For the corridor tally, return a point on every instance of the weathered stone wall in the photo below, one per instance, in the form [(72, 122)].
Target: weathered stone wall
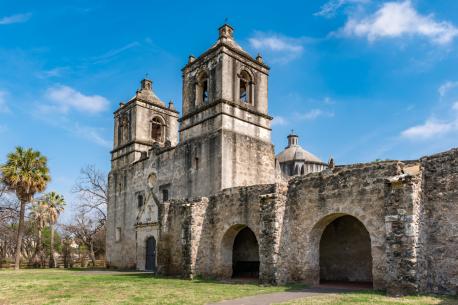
[(408, 209), (246, 161), (208, 229), (439, 233), (402, 220), (315, 200)]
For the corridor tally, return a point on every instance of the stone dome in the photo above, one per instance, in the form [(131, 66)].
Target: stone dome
[(295, 160), (294, 152)]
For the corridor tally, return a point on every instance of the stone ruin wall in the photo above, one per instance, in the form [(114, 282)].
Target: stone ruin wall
[(408, 208), (197, 234), (438, 271)]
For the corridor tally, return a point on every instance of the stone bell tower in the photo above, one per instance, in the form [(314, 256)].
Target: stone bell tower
[(225, 120), (140, 123)]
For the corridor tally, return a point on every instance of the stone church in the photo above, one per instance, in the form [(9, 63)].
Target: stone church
[(203, 194)]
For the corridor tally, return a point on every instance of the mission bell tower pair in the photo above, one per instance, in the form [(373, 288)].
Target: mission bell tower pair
[(225, 129)]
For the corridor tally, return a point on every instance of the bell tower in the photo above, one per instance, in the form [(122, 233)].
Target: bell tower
[(140, 123), (225, 103)]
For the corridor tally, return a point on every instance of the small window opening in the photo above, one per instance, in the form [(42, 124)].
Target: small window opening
[(205, 91), (156, 129), (245, 83), (243, 91), (196, 163), (202, 94), (140, 201), (165, 195)]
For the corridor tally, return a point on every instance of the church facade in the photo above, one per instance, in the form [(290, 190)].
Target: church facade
[(203, 194)]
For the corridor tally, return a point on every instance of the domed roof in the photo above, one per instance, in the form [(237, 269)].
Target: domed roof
[(295, 152)]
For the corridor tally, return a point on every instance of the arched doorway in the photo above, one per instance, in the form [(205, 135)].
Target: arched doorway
[(150, 264), (245, 254), (345, 252)]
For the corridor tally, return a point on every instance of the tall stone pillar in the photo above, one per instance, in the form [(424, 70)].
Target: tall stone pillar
[(402, 217), (272, 212), (193, 217)]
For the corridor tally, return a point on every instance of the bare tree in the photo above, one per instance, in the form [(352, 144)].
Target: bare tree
[(9, 214), (92, 189), (86, 230)]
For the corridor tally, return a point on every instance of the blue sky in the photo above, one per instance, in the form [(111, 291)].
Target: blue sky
[(357, 79)]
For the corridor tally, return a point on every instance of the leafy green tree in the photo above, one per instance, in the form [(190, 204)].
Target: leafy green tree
[(57, 240), (26, 173), (55, 206)]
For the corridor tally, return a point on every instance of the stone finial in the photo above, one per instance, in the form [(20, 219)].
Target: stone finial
[(121, 104), (331, 164), (259, 58), (171, 105), (226, 31), (146, 84), (191, 58)]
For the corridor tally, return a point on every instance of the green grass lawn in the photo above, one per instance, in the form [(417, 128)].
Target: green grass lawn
[(86, 287), (372, 298), (82, 287)]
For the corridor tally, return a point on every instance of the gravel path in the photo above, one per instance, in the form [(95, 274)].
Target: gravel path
[(278, 297)]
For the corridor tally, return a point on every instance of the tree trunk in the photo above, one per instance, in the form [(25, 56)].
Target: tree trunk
[(20, 233), (52, 261), (91, 253), (2, 252), (37, 257)]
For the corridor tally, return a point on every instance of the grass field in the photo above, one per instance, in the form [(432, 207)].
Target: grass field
[(86, 287), (372, 298), (82, 287)]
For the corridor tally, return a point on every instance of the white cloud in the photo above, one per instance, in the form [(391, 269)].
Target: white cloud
[(446, 87), (114, 52), (3, 105), (433, 127), (396, 19), (19, 18), (64, 98), (55, 72), (279, 121), (314, 114), (91, 134), (283, 49), (430, 129), (330, 8)]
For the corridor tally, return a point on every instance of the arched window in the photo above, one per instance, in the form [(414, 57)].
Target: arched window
[(202, 89), (124, 129), (157, 129), (245, 87)]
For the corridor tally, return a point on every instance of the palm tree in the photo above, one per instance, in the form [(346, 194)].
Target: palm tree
[(26, 173), (55, 206), (39, 215)]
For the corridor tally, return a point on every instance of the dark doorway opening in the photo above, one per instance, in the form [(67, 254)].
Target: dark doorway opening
[(245, 255), (150, 264), (345, 253)]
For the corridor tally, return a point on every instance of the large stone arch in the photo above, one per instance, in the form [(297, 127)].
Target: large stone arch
[(226, 249), (315, 237)]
